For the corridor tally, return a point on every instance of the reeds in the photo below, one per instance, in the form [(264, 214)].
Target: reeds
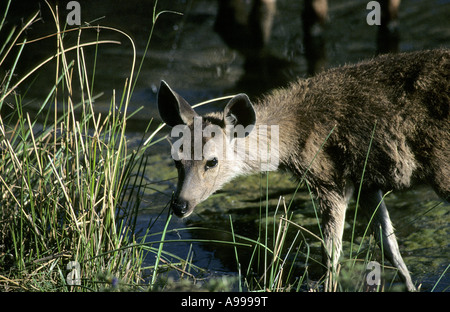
[(69, 186)]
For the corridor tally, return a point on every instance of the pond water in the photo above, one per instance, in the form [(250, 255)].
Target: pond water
[(187, 53)]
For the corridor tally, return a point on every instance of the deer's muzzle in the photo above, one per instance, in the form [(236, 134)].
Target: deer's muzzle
[(180, 208)]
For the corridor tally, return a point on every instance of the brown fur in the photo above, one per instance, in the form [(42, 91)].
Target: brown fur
[(405, 97), (397, 104)]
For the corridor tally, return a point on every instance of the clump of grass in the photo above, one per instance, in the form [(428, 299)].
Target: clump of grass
[(69, 185), (285, 259)]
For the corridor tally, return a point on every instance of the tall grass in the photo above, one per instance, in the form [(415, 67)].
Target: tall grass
[(69, 186)]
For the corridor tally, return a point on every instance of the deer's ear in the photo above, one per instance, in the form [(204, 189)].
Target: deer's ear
[(173, 108), (239, 111)]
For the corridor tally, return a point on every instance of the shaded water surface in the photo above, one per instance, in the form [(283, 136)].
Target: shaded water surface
[(187, 53)]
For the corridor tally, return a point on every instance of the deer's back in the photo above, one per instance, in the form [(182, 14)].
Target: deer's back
[(403, 98)]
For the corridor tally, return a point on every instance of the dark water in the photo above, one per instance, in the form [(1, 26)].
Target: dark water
[(187, 53)]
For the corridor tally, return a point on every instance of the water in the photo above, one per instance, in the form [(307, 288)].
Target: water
[(187, 53)]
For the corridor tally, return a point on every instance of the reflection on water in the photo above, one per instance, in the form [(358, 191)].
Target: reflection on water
[(193, 58)]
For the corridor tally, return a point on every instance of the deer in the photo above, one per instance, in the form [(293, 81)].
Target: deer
[(246, 26), (379, 125)]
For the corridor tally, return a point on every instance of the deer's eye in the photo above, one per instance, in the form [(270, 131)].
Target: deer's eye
[(211, 163)]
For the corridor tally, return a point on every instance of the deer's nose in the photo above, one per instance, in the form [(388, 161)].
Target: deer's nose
[(179, 208)]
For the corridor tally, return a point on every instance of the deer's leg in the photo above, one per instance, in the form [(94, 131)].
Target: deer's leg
[(333, 206), (388, 32), (381, 223)]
